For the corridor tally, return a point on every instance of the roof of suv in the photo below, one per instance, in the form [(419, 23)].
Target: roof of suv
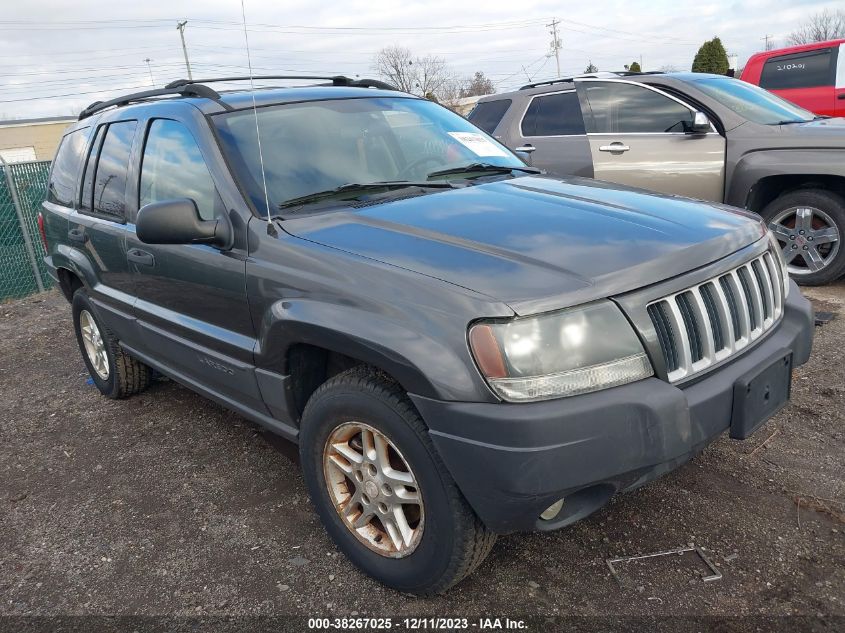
[(564, 83), (211, 101)]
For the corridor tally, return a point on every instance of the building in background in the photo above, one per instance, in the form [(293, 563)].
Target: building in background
[(31, 139)]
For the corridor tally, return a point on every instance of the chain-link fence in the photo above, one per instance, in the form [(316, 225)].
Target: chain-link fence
[(22, 189)]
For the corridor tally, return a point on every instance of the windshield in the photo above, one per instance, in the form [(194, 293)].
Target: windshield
[(752, 102), (317, 146)]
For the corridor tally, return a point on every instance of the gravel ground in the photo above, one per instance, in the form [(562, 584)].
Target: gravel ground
[(167, 504)]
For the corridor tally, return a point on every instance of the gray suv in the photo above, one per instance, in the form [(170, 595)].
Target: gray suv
[(697, 135), (461, 347)]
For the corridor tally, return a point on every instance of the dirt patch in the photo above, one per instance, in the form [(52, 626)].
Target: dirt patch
[(166, 503)]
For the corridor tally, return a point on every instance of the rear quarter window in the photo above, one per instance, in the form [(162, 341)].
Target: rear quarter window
[(65, 171), (809, 69), (488, 115), (553, 115)]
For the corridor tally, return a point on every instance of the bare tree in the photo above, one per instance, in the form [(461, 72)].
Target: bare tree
[(396, 65), (427, 76), (477, 86), (820, 27), (669, 68)]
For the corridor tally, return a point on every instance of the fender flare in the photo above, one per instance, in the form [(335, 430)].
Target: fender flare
[(755, 166), (442, 367)]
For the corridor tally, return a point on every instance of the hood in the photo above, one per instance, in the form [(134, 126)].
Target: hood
[(539, 243), (821, 133)]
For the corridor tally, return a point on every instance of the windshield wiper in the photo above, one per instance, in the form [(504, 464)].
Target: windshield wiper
[(790, 122), (483, 167), (352, 189)]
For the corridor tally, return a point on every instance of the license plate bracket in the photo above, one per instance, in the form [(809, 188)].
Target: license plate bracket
[(758, 396)]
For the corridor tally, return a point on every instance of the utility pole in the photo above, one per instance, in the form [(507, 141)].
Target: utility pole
[(152, 81), (180, 26), (766, 39), (555, 45)]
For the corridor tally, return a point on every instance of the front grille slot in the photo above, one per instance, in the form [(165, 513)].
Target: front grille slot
[(705, 324), (725, 282), (745, 281), (657, 312), (693, 331), (707, 291)]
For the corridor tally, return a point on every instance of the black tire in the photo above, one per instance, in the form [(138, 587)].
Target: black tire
[(453, 542), (832, 205), (126, 375)]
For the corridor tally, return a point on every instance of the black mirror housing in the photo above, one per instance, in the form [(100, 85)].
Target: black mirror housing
[(178, 222)]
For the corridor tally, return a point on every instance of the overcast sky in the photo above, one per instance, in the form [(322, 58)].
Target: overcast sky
[(57, 57)]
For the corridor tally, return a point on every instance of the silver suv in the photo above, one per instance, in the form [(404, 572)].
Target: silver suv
[(691, 134)]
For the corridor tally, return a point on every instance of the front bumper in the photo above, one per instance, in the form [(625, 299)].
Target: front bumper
[(512, 461)]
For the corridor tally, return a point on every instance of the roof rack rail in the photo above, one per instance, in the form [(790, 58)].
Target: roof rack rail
[(596, 75), (197, 88), (337, 80), (192, 90)]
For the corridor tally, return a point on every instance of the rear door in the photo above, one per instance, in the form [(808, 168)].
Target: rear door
[(806, 79), (97, 231), (552, 128), (191, 305), (638, 136), (839, 89)]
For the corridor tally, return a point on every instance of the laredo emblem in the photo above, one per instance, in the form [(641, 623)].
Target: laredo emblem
[(216, 365)]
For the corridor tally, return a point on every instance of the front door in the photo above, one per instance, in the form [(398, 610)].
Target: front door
[(639, 136), (191, 305)]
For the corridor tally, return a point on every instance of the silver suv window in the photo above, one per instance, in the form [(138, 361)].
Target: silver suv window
[(557, 114), (624, 108)]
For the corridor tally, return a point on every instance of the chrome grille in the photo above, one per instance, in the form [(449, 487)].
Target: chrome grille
[(703, 325)]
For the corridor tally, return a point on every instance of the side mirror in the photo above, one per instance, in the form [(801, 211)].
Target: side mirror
[(700, 124), (179, 222)]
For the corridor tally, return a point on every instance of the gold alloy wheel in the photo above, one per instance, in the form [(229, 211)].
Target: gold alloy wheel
[(95, 348), (373, 489)]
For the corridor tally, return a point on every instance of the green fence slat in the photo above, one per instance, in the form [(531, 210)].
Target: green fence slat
[(17, 278)]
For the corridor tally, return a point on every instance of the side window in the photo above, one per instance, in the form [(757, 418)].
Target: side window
[(553, 115), (622, 108), (173, 167), (86, 196), (65, 169), (489, 114), (799, 70), (104, 183)]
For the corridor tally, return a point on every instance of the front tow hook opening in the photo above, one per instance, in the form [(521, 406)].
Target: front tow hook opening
[(574, 507)]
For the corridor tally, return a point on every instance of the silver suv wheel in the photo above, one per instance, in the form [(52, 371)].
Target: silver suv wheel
[(809, 238), (373, 489), (95, 348)]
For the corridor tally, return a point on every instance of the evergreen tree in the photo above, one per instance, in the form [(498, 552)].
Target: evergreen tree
[(711, 58)]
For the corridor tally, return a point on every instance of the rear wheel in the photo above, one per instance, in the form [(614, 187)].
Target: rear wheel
[(381, 490), (114, 372), (809, 225)]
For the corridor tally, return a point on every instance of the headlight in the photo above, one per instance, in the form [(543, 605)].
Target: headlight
[(784, 271), (564, 353)]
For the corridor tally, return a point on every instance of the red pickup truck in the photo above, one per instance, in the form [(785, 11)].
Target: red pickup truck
[(811, 75)]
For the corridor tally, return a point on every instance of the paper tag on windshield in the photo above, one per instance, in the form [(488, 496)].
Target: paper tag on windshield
[(478, 144)]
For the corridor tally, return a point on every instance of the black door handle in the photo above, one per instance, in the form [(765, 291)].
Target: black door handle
[(77, 235), (841, 95), (143, 258)]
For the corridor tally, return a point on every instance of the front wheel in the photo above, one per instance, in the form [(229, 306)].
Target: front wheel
[(382, 491), (809, 225)]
